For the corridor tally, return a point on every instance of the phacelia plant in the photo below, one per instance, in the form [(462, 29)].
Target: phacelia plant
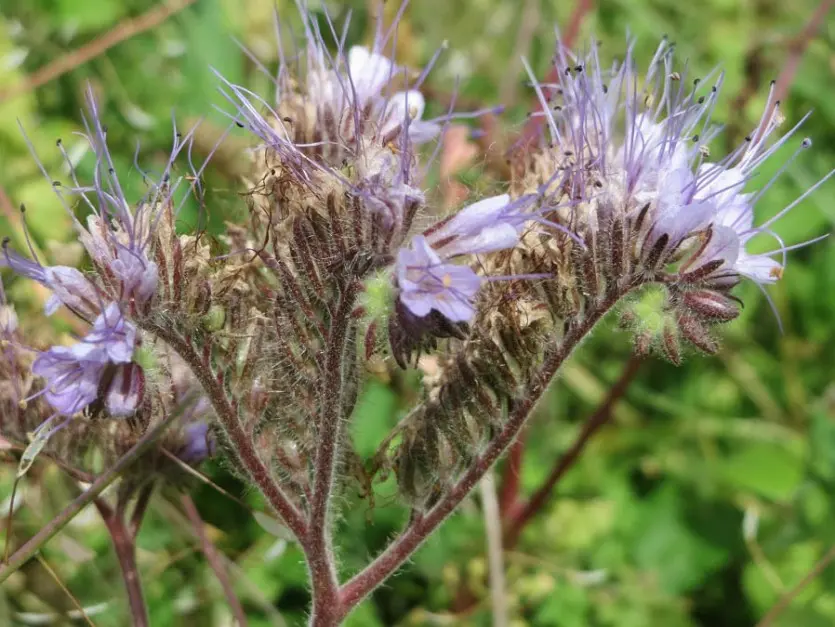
[(257, 352)]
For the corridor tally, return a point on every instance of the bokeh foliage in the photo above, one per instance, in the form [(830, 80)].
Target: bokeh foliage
[(710, 495)]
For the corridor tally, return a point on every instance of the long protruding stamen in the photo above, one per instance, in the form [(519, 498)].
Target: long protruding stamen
[(798, 200)]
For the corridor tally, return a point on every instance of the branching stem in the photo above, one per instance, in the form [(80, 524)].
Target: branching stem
[(422, 526), (124, 544), (241, 441), (33, 545), (318, 544)]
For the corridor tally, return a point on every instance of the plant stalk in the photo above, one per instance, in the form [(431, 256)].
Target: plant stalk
[(318, 543), (241, 441), (423, 525), (124, 544)]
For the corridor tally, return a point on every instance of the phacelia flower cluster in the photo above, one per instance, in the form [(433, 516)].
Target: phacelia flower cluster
[(638, 151), (99, 370), (618, 193)]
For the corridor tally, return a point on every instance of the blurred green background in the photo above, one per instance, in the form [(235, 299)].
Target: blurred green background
[(709, 496)]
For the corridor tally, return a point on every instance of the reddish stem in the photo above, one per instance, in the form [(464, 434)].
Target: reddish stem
[(517, 519), (318, 542), (213, 557), (423, 525), (241, 441), (510, 477), (124, 544), (509, 497), (798, 47)]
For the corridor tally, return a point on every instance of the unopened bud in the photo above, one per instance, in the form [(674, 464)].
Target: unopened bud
[(642, 343), (697, 334), (711, 305), (670, 344), (214, 319)]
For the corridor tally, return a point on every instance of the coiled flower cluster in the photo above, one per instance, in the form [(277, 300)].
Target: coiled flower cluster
[(262, 338)]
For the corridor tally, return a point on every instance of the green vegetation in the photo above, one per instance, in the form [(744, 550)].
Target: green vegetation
[(710, 494)]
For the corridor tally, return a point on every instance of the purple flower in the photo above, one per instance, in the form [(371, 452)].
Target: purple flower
[(370, 73), (199, 443), (485, 226), (125, 390), (68, 285), (405, 109), (112, 338), (74, 374), (426, 283), (119, 235), (134, 274), (71, 383), (425, 278), (342, 109), (643, 148)]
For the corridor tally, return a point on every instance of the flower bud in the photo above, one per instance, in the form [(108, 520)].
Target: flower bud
[(710, 305)]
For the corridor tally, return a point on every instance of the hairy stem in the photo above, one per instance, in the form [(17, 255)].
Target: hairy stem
[(512, 474), (124, 544), (22, 555), (318, 544), (518, 518), (213, 557), (241, 441), (423, 525)]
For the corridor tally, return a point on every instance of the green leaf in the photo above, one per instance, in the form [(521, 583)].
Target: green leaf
[(87, 16), (679, 558), (769, 470), (567, 607), (272, 526), (39, 439), (373, 417)]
